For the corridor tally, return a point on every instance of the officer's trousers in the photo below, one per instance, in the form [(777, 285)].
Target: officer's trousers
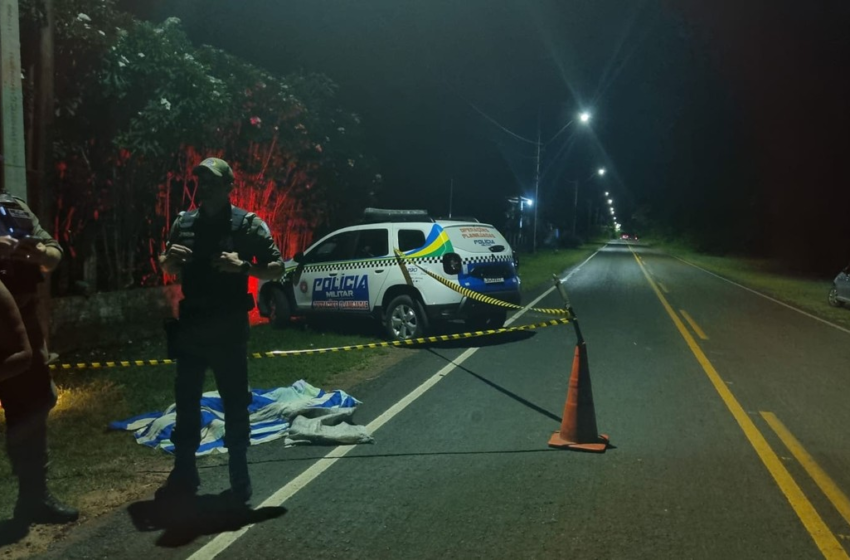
[(27, 399), (229, 364)]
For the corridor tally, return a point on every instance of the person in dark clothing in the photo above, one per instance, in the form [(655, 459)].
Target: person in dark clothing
[(15, 350), (27, 252), (214, 249)]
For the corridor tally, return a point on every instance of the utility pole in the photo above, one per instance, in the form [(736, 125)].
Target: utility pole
[(11, 97), (41, 156), (536, 187), (575, 206), (451, 195)]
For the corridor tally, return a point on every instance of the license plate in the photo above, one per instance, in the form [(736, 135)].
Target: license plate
[(493, 280)]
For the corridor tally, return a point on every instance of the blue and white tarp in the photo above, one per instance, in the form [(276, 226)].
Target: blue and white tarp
[(300, 413)]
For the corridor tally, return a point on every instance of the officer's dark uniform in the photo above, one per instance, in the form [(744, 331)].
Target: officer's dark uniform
[(28, 397), (213, 333)]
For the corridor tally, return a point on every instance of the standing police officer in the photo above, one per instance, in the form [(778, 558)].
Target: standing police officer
[(27, 251), (215, 248)]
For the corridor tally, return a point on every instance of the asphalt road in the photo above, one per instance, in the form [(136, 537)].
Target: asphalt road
[(730, 446)]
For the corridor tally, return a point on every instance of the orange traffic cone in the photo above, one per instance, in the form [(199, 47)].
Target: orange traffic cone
[(578, 426)]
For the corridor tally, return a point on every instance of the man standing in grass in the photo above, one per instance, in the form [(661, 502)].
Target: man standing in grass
[(215, 248), (15, 350), (27, 252)]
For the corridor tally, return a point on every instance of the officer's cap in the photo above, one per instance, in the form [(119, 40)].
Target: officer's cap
[(217, 167)]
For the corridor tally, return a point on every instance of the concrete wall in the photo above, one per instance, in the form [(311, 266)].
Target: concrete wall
[(108, 318)]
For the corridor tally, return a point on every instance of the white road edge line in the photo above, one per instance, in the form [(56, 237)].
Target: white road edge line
[(223, 540), (765, 296)]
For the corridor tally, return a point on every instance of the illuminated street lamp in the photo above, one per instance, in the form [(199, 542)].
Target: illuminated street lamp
[(584, 117), (601, 171), (610, 201)]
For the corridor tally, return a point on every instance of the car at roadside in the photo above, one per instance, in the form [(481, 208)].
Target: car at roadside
[(839, 294), (378, 268)]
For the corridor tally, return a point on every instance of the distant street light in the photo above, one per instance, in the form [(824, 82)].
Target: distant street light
[(584, 117), (606, 193), (600, 172), (610, 201)]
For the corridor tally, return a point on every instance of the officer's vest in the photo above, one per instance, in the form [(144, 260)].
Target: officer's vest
[(19, 277), (210, 288)]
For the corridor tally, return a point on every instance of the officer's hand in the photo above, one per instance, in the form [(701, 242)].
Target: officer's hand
[(228, 262), (178, 254), (30, 250), (7, 246)]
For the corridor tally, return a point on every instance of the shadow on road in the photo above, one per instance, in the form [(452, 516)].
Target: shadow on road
[(506, 392), (209, 514)]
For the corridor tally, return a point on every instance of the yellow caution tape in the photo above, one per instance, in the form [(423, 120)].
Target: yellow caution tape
[(410, 342), (117, 364), (287, 353), (477, 296)]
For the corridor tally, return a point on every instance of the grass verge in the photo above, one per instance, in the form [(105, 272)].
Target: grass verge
[(99, 469), (769, 278)]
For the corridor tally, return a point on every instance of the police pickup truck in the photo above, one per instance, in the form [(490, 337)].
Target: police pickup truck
[(378, 268)]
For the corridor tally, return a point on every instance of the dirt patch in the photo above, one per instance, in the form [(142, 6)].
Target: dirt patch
[(39, 538), (92, 506)]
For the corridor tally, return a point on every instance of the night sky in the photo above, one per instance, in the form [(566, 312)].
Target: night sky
[(727, 121)]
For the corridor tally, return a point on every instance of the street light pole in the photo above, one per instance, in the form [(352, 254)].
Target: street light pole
[(451, 195), (575, 206), (536, 188)]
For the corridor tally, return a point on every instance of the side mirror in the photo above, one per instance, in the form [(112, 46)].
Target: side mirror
[(452, 263), (298, 257)]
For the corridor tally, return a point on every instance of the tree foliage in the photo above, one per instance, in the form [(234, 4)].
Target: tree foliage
[(138, 106)]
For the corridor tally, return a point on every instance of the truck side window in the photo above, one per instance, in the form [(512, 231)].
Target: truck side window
[(340, 247), (410, 239), (372, 243)]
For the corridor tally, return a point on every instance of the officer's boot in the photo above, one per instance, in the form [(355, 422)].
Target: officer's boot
[(183, 482), (240, 479), (35, 502)]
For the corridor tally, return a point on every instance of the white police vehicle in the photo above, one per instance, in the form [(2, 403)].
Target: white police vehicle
[(356, 270)]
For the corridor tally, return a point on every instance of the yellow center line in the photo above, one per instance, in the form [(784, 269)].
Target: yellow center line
[(663, 288), (824, 482), (814, 524), (693, 324)]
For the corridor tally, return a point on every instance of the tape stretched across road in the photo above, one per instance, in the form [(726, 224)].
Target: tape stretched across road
[(353, 347), (477, 296)]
